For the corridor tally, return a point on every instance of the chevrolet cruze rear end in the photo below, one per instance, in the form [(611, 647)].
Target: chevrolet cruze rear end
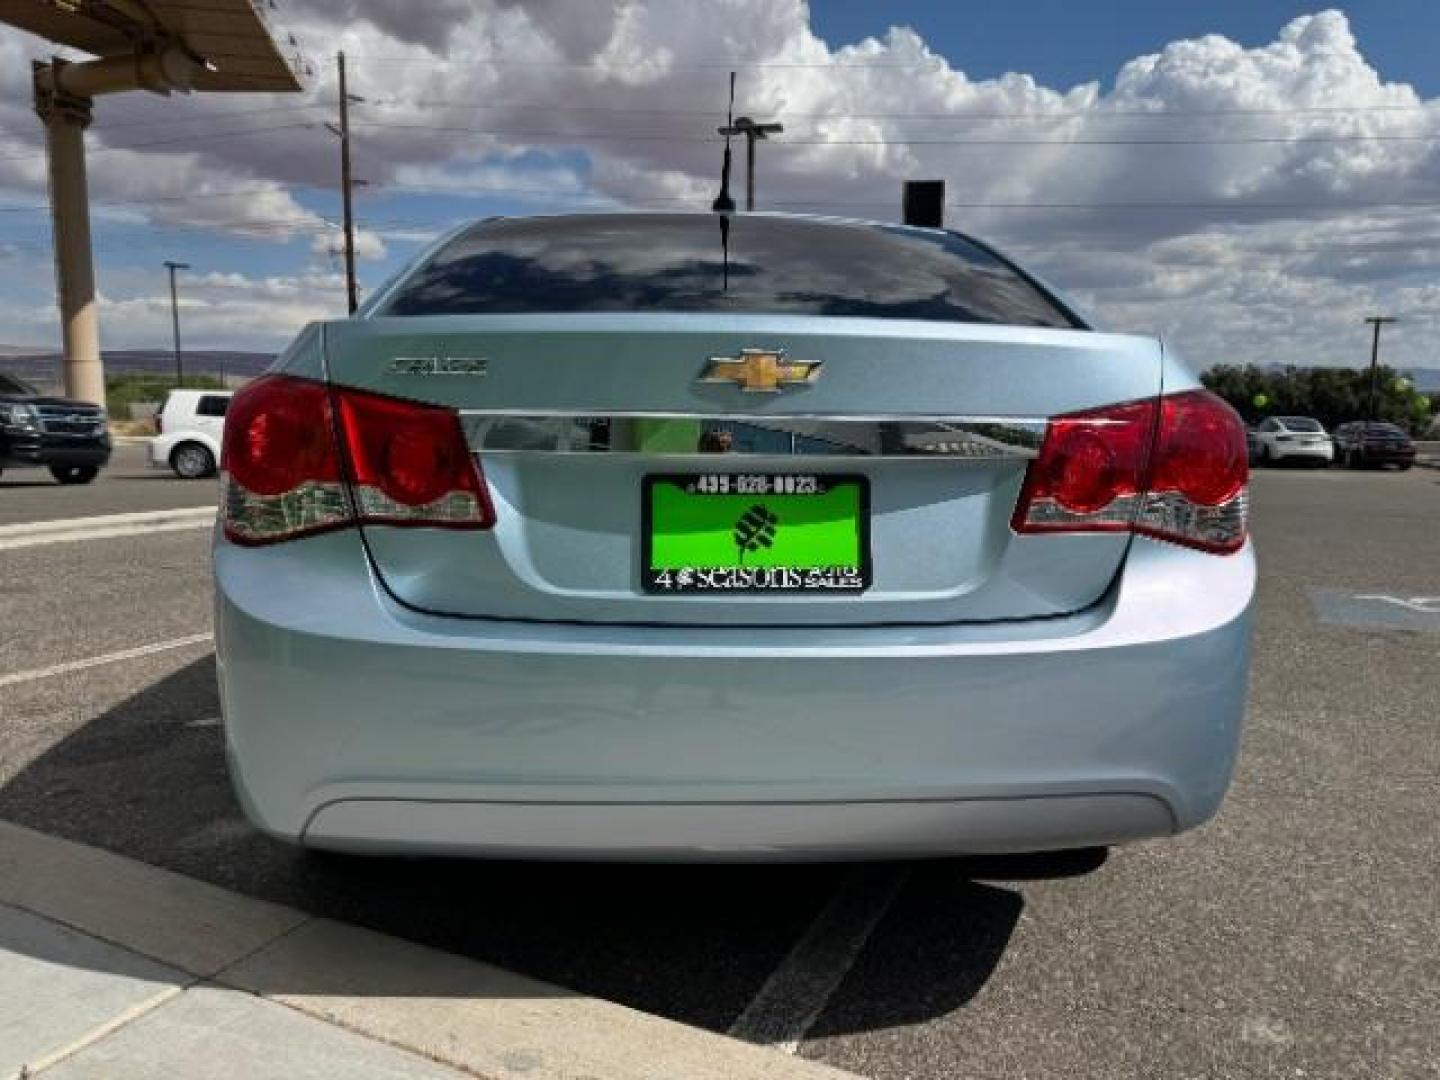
[(744, 537)]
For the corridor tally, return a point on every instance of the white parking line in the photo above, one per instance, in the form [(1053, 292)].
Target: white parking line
[(65, 530), (106, 658), (797, 991)]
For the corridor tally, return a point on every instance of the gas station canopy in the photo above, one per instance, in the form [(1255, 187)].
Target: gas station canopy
[(231, 37), (156, 45)]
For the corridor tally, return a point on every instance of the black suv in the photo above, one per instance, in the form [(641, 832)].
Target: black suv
[(69, 437)]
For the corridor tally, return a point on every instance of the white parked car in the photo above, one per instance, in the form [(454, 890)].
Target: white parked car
[(190, 425), (1281, 437)]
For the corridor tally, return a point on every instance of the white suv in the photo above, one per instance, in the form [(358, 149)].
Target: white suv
[(190, 425)]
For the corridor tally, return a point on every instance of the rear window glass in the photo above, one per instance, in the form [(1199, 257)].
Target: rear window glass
[(1300, 423), (1385, 429), (685, 263), (212, 405)]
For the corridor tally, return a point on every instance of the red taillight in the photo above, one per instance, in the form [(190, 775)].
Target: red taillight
[(1200, 449), (1175, 469), (1089, 471), (285, 476), (410, 463)]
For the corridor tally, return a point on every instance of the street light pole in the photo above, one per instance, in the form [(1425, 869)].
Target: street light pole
[(753, 132), (1376, 321), (175, 319)]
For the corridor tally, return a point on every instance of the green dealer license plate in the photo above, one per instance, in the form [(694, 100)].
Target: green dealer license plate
[(755, 533)]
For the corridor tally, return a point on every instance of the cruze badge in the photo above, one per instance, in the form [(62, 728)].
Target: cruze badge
[(760, 371), (438, 365)]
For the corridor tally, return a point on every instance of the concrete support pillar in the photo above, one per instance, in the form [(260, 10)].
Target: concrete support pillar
[(66, 117)]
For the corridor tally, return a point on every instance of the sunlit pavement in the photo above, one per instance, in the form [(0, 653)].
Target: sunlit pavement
[(1295, 934)]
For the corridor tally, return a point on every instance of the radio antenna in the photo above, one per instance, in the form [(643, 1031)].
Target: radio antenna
[(723, 203)]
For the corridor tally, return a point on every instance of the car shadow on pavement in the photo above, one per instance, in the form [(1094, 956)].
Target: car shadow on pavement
[(147, 779)]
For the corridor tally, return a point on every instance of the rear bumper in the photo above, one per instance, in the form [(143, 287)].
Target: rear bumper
[(352, 722), (1317, 451), (1374, 455)]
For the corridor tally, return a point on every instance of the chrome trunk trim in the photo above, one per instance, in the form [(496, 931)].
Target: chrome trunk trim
[(688, 434)]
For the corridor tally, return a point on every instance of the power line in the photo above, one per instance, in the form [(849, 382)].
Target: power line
[(208, 136), (1063, 114), (158, 199), (930, 62), (584, 137), (574, 137), (209, 118), (551, 192)]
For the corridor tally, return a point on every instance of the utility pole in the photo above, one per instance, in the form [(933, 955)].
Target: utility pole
[(175, 319), (753, 132), (351, 297), (1376, 321)]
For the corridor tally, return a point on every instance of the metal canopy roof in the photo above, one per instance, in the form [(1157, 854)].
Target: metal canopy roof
[(232, 35)]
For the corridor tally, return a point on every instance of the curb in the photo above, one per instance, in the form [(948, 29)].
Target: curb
[(474, 1017)]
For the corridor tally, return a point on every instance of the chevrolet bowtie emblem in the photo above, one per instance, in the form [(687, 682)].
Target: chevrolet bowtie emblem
[(760, 371)]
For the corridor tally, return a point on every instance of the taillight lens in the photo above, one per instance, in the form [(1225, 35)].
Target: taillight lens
[(285, 474), (410, 464), (1174, 469), (281, 470), (1089, 473), (1197, 493)]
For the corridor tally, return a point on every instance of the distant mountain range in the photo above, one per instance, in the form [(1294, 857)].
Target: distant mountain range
[(43, 368)]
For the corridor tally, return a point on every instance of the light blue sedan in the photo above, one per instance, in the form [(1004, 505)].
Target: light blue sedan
[(695, 536)]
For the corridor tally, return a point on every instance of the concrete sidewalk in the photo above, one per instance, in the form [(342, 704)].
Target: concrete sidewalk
[(112, 969)]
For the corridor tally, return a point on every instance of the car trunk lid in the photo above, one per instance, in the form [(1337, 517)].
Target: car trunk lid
[(931, 424)]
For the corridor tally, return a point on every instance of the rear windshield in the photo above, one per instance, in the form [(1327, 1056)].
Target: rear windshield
[(685, 262), (1384, 429), (1300, 423)]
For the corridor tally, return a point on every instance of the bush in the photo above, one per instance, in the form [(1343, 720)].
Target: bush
[(1330, 395)]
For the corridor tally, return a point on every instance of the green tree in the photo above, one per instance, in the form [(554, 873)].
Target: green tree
[(1330, 395)]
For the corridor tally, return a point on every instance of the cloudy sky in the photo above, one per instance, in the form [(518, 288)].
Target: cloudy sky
[(1248, 177)]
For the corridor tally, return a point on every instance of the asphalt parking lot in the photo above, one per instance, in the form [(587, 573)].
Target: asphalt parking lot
[(1297, 935), (128, 485)]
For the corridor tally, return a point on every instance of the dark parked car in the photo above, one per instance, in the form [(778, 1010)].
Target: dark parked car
[(68, 437), (1252, 445), (1363, 443)]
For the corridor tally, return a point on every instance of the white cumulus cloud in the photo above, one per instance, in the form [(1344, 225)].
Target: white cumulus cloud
[(1251, 203)]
